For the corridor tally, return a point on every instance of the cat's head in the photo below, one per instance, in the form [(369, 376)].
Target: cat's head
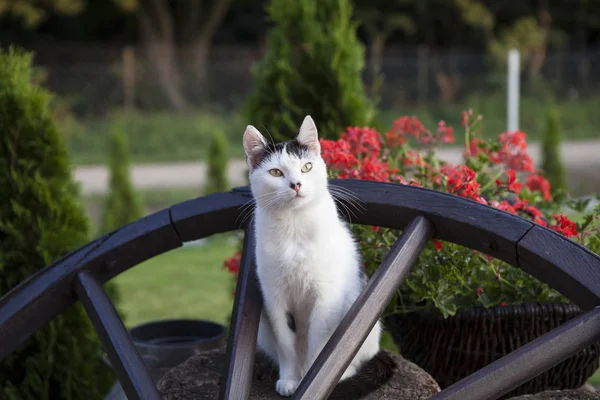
[(289, 174)]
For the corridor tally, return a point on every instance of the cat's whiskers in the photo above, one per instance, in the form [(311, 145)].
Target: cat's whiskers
[(357, 202), (274, 200), (247, 215), (342, 189), (348, 193), (352, 202), (349, 212), (244, 207), (347, 200), (340, 202), (247, 209), (269, 133)]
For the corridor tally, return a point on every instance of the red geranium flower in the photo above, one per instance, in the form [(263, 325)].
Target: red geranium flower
[(531, 211), (445, 132), (537, 183), (415, 182), (504, 206), (512, 183), (413, 157), (466, 116), (363, 142), (461, 181), (403, 127), (564, 225), (232, 264), (478, 146), (514, 151)]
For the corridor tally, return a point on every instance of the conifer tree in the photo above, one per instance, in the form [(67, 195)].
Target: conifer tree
[(552, 164), (41, 219), (313, 65), (122, 204), (217, 164)]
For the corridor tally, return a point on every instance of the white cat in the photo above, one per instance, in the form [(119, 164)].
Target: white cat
[(307, 261)]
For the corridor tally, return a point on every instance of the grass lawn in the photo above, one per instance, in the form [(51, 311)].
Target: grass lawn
[(184, 283), (169, 136), (153, 198), (595, 379), (153, 137), (156, 199)]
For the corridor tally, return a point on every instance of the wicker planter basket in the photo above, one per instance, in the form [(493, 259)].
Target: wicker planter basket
[(453, 348)]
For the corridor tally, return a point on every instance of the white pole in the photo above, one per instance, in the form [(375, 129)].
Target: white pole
[(512, 105)]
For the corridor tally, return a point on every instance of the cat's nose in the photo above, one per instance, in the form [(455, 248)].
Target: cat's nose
[(296, 186)]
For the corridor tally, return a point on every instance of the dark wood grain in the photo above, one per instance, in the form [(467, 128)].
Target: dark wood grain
[(456, 219), (566, 266), (216, 213), (364, 313), (124, 358), (133, 244), (241, 343), (527, 361)]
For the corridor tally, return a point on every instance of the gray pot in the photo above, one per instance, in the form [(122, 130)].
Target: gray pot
[(164, 344)]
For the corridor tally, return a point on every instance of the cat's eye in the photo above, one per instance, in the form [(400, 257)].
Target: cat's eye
[(307, 167), (276, 172)]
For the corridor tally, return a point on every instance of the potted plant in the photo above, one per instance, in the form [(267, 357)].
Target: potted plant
[(459, 310)]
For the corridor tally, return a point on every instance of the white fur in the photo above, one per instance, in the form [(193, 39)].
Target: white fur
[(307, 260)]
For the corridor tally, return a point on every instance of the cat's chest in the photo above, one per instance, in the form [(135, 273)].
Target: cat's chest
[(292, 250), (291, 268), (294, 244)]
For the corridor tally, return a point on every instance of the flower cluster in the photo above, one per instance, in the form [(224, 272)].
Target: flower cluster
[(362, 153), (498, 173), (232, 264), (356, 155)]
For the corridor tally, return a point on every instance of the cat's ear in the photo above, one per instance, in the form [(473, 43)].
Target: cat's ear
[(308, 134), (254, 144)]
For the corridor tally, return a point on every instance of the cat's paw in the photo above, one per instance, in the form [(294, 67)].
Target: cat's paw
[(350, 371), (286, 387)]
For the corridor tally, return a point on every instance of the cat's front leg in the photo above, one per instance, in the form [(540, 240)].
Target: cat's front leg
[(285, 338), (265, 338), (323, 321), (317, 341)]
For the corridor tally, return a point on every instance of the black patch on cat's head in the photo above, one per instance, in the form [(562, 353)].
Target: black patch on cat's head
[(293, 147), (296, 148), (291, 322)]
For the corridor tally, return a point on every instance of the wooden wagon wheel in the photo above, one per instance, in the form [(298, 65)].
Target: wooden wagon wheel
[(422, 214)]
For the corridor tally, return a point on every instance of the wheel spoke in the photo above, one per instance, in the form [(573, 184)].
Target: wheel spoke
[(527, 361), (364, 313), (241, 344), (124, 358)]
